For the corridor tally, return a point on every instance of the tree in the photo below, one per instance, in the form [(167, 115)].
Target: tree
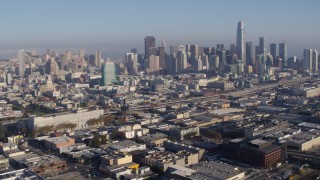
[(96, 142), (103, 139), (44, 129), (66, 126), (189, 135), (214, 135)]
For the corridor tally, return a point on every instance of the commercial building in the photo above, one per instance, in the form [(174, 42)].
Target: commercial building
[(304, 141), (20, 174), (174, 131), (124, 146), (48, 166), (78, 118), (149, 42), (4, 162), (153, 140), (57, 143), (206, 170), (108, 71), (258, 152)]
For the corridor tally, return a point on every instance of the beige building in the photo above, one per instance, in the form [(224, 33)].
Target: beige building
[(153, 140), (305, 140)]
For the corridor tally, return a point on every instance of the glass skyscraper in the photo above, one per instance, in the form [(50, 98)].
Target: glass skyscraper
[(108, 73), (241, 46)]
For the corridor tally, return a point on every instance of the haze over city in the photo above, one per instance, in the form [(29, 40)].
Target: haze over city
[(159, 90), (117, 26)]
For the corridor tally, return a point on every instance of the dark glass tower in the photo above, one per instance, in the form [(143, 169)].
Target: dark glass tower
[(149, 42), (250, 54), (283, 53)]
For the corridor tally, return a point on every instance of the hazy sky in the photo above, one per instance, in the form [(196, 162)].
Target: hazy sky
[(116, 26)]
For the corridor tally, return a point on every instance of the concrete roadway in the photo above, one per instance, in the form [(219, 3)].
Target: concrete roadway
[(238, 93)]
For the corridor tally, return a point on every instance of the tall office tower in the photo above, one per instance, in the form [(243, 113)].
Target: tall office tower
[(283, 54), (82, 53), (307, 59), (22, 62), (207, 51), (241, 46), (131, 62), (269, 62), (197, 65), (153, 51), (98, 59), (263, 48), (164, 44), (149, 42), (274, 50), (194, 50), (54, 54), (182, 48), (174, 49), (8, 78), (91, 60), (213, 62), (182, 61), (315, 62), (63, 62), (200, 50), (162, 57), (69, 55), (171, 64), (233, 49), (33, 52), (153, 65), (134, 50), (48, 52), (220, 46), (108, 71), (205, 61), (292, 62), (222, 57), (250, 54), (52, 67)]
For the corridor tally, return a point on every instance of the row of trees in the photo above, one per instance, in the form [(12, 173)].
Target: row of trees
[(50, 128), (102, 120)]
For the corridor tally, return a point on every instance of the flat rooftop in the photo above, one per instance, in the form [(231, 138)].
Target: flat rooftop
[(214, 170)]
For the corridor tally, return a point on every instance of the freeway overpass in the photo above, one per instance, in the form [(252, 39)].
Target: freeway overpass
[(238, 93)]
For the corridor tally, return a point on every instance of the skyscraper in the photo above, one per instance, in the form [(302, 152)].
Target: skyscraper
[(22, 62), (162, 57), (149, 42), (98, 59), (194, 50), (81, 53), (273, 50), (153, 65), (283, 53), (182, 62), (263, 48), (131, 62), (250, 54), (307, 59), (315, 62), (108, 71), (241, 47)]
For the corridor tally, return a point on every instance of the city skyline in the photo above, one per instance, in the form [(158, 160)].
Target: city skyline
[(115, 27)]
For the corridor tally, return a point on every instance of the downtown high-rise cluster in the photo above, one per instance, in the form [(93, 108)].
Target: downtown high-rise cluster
[(242, 57)]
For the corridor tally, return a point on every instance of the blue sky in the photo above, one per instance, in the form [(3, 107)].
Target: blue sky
[(119, 25)]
